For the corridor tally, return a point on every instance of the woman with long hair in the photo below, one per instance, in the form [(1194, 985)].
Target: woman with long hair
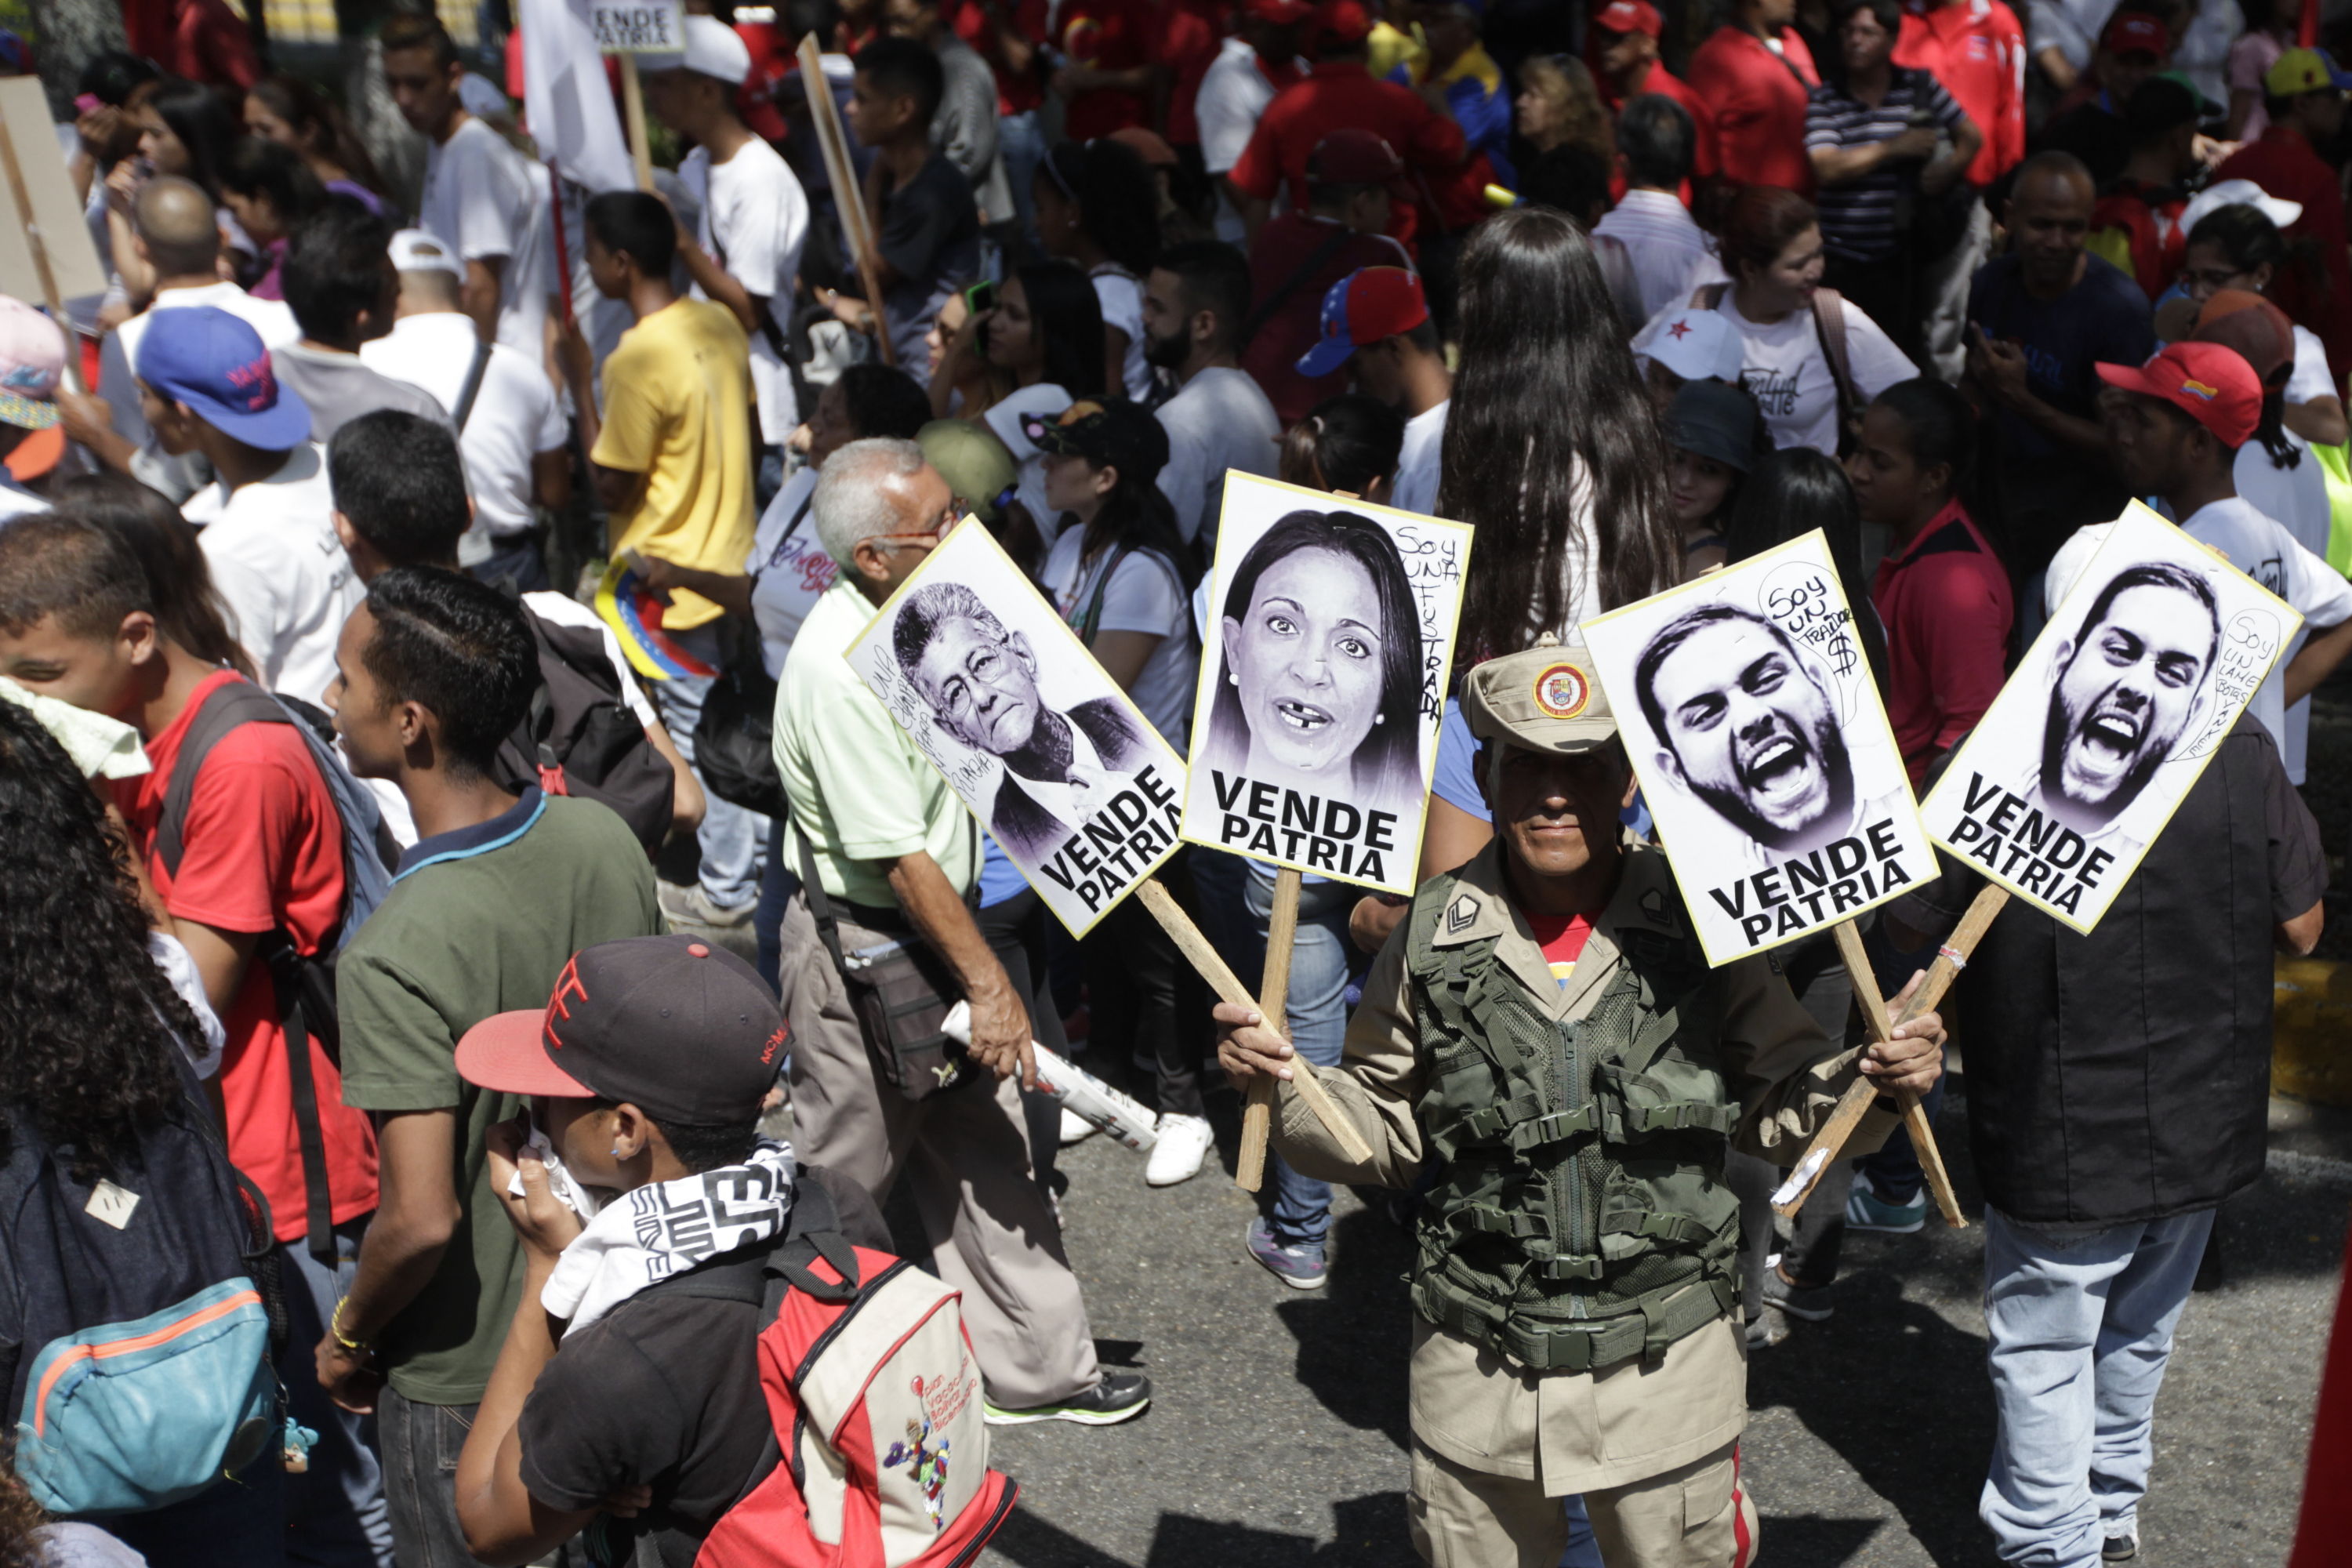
[(1559, 106), (1348, 444), (2238, 246), (187, 607), (1098, 205), (1771, 246), (1045, 335), (289, 111), (184, 130), (269, 190), (1793, 492)]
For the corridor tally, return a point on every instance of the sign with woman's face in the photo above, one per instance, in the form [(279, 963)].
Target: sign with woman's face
[(2155, 648), (1069, 777), (1750, 715), (1330, 634)]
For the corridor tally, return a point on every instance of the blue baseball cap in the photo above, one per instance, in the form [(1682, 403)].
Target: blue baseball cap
[(216, 364), (1366, 306)]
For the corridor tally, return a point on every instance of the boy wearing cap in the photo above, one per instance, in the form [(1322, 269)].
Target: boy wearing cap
[(32, 361), (1297, 256), (1378, 320), (511, 429), (2176, 435), (1622, 50), (206, 385), (2305, 92), (1566, 1342), (643, 1074), (485, 909), (746, 251)]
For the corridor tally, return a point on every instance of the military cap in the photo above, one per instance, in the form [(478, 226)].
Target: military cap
[(1546, 698)]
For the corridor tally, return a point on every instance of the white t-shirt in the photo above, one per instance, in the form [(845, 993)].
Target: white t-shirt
[(1415, 488), (1220, 420), (1232, 96), (1784, 367), (755, 219), (1121, 298), (2296, 499), (789, 569), (2263, 549), (1004, 421), (481, 201), (117, 357), (282, 573), (515, 417), (2310, 377), (1144, 594)]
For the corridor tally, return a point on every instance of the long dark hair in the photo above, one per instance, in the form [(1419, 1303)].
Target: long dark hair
[(1066, 316), (87, 1046), (316, 118), (277, 174), (1117, 198), (1389, 759), (2246, 236), (1547, 397), (1135, 515), (1344, 445), (203, 126), (187, 607), (1793, 492)]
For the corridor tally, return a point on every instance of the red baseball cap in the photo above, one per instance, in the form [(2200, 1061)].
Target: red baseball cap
[(1352, 157), (1629, 17), (1345, 20), (1366, 306), (1279, 13), (2210, 383), (2136, 33)]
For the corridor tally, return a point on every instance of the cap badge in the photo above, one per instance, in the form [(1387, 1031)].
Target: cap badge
[(1561, 691), (2200, 390), (559, 1006)]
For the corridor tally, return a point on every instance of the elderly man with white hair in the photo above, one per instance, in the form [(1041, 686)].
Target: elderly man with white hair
[(887, 855)]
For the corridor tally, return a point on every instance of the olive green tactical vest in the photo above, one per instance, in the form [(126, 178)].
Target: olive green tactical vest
[(1581, 1218)]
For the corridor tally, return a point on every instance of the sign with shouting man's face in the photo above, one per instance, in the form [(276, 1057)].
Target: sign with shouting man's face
[(1750, 715)]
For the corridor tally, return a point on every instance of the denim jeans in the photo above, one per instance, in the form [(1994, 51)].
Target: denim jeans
[(1023, 143), (1146, 999), (2079, 1330), (334, 1512), (239, 1522), (520, 559), (778, 883), (421, 1445), (733, 839)]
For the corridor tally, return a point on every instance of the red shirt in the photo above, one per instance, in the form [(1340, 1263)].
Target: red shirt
[(1017, 92), (1191, 33), (1758, 99), (263, 851), (1338, 95), (1945, 607), (1562, 939), (202, 40), (1977, 50), (1110, 35), (1286, 244), (2283, 165)]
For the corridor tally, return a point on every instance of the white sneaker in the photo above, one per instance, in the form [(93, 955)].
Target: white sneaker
[(1184, 1143), (1076, 1129)]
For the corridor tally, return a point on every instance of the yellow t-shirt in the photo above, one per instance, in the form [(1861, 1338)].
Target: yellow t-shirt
[(678, 409)]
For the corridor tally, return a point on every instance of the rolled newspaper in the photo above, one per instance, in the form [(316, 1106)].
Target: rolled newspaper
[(1086, 1096)]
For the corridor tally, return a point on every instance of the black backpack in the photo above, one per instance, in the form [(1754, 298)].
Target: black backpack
[(580, 738)]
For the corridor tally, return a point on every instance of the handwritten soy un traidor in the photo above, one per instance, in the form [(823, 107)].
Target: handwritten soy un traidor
[(1803, 890), (1119, 842), (2009, 838), (1319, 832)]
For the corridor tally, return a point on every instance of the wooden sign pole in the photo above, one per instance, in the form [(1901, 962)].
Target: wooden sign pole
[(633, 103), (1950, 959), (41, 268), (848, 195), (1229, 988), (1274, 995)]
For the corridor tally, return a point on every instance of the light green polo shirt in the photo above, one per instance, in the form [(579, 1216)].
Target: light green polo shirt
[(860, 789)]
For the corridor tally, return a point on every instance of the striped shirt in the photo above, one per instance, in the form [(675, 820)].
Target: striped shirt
[(1858, 216)]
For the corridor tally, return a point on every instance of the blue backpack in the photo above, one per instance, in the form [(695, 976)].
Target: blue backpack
[(135, 1327)]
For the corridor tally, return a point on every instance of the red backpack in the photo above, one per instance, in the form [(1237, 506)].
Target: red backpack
[(880, 1449)]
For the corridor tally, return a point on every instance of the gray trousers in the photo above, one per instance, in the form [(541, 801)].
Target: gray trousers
[(966, 1156), (1943, 297)]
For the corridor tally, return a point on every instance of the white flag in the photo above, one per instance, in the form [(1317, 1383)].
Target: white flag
[(566, 98)]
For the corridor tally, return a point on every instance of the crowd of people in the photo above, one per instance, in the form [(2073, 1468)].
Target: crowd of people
[(392, 580)]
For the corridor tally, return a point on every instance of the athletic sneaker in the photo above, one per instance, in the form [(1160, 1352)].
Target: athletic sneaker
[(1119, 1396), (2120, 1548), (1298, 1265), (1076, 1129), (1806, 1303), (692, 906), (1865, 1210), (1183, 1143)]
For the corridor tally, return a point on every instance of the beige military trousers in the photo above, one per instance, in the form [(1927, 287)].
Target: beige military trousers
[(1695, 1516)]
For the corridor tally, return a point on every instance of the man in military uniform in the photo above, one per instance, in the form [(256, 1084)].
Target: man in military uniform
[(1543, 1033)]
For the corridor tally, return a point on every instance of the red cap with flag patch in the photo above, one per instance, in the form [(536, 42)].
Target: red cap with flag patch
[(1629, 17), (2210, 383)]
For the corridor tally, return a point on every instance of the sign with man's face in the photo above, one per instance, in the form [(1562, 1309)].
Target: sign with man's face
[(1329, 630), (1065, 771), (1750, 713), (2153, 651)]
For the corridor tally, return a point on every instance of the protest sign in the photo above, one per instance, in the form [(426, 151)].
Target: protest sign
[(2153, 651), (1322, 681), (48, 254), (638, 26), (1034, 736), (1749, 713)]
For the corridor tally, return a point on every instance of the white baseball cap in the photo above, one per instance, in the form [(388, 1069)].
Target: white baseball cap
[(712, 48), (1695, 343), (2238, 193), (414, 251)]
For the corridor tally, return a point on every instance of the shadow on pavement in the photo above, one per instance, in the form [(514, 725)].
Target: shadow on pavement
[(1370, 1533), (1360, 1323), (1808, 1541)]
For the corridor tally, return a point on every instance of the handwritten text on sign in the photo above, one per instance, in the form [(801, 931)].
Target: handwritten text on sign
[(1433, 565), (650, 28)]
